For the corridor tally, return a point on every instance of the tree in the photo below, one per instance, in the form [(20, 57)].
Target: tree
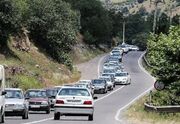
[(9, 20), (95, 21), (53, 26), (164, 55)]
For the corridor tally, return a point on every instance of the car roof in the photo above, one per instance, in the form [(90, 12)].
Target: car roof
[(36, 90), (73, 88), (13, 89)]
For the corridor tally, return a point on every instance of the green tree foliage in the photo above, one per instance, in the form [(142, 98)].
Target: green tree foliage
[(53, 25), (95, 21), (9, 19), (164, 55), (117, 23), (176, 20), (162, 25)]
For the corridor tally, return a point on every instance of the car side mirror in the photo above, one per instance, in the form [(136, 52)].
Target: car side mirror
[(3, 93), (95, 97)]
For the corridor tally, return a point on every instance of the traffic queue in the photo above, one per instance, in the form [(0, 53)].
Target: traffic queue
[(71, 99)]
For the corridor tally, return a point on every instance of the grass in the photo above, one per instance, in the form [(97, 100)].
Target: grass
[(80, 56), (40, 70), (137, 115)]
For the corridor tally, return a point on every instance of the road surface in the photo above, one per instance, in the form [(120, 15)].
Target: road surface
[(108, 107)]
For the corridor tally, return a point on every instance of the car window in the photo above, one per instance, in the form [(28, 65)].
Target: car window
[(36, 93), (121, 74), (98, 82), (13, 94), (51, 92), (74, 92)]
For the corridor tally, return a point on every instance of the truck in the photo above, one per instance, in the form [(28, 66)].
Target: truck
[(2, 93)]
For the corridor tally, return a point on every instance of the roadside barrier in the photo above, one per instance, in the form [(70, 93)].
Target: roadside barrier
[(162, 109)]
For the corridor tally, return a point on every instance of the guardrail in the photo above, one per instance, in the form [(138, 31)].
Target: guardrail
[(160, 109)]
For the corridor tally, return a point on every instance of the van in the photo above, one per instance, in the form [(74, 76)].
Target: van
[(2, 93)]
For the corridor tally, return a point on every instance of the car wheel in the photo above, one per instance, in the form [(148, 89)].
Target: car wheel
[(25, 115), (48, 111), (90, 117), (2, 118), (56, 116)]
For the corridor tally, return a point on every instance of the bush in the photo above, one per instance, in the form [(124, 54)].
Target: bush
[(25, 82)]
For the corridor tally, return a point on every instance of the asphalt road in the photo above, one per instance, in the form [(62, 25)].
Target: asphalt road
[(108, 107)]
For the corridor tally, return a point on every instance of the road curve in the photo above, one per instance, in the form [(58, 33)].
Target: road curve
[(107, 107)]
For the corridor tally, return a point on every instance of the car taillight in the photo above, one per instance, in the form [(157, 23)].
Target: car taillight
[(59, 102), (87, 102)]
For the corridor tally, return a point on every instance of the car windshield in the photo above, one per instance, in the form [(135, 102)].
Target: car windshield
[(74, 92), (36, 94), (14, 94), (107, 79), (51, 92), (98, 82), (121, 74), (109, 71), (81, 85)]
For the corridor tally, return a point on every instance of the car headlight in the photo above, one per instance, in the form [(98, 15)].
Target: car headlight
[(124, 79), (44, 103)]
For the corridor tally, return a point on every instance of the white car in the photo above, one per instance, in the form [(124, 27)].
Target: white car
[(115, 52), (86, 84), (15, 103), (134, 48), (119, 49), (122, 78), (2, 93), (110, 83), (74, 101)]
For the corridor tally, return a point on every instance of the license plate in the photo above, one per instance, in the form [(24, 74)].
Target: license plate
[(74, 101), (35, 106)]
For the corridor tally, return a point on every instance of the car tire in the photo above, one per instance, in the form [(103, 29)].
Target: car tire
[(25, 115), (48, 111), (56, 116), (2, 118), (90, 117)]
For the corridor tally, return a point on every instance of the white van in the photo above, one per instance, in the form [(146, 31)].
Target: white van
[(2, 93)]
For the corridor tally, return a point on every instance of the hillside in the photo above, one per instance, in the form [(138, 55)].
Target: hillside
[(33, 68), (133, 6)]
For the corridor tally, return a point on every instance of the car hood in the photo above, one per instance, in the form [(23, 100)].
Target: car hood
[(99, 85), (14, 101), (122, 77), (38, 99)]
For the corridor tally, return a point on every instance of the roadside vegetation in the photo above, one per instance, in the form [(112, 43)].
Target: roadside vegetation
[(163, 56), (137, 115)]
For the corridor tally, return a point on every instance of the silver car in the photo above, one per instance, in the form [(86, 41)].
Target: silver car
[(15, 103)]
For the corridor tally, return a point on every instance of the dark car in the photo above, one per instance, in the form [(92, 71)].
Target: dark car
[(51, 93), (38, 100), (100, 86)]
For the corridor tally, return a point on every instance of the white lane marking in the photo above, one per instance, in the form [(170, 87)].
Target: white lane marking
[(127, 105), (34, 122), (142, 94), (43, 120)]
